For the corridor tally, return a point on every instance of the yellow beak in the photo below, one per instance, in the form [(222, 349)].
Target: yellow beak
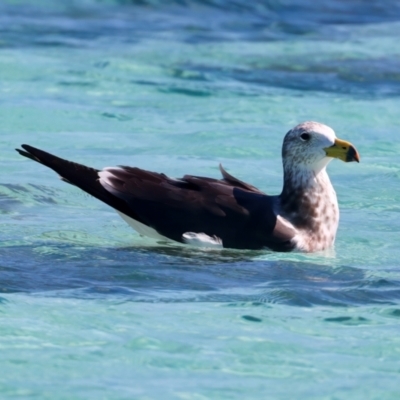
[(343, 150)]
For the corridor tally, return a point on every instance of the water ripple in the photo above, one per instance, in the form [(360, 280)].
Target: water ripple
[(173, 274)]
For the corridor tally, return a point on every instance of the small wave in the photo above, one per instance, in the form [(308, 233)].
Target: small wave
[(13, 196), (175, 274), (334, 11), (371, 77), (78, 24)]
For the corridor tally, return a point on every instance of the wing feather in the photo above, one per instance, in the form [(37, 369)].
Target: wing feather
[(238, 213), (240, 217), (237, 182)]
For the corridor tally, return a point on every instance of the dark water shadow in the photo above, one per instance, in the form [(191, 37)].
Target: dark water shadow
[(78, 24), (372, 77), (175, 274)]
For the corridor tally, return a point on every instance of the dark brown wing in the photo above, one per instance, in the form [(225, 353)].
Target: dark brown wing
[(236, 182), (239, 214)]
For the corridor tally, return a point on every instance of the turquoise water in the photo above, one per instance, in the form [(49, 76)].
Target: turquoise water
[(91, 310)]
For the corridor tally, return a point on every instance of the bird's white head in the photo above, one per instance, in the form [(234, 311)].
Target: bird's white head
[(312, 145)]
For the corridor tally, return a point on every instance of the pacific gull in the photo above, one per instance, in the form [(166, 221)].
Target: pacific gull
[(225, 212)]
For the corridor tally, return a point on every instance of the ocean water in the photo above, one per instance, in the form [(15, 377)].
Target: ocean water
[(91, 310)]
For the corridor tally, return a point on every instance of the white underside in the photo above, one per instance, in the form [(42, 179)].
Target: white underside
[(142, 228), (191, 238)]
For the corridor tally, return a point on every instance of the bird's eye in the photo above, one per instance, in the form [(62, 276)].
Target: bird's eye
[(305, 136)]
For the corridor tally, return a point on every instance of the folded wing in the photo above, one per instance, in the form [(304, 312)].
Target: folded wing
[(234, 211)]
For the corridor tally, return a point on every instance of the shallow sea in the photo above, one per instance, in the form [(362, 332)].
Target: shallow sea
[(91, 310)]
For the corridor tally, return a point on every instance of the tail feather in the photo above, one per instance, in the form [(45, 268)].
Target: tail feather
[(28, 155), (83, 177)]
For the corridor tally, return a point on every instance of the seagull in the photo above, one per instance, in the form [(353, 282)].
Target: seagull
[(227, 212)]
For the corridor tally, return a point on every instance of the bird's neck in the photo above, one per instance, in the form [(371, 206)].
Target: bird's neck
[(308, 198)]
